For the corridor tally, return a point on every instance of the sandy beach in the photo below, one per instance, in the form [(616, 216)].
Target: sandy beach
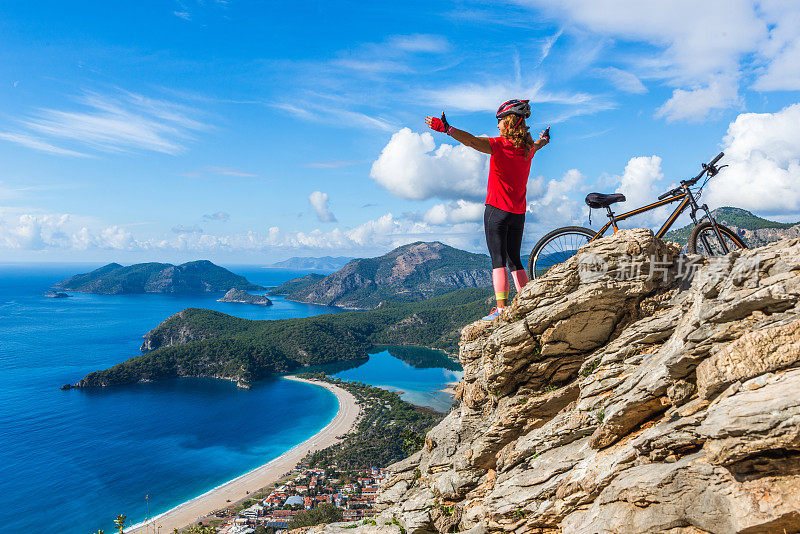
[(198, 508), (450, 389)]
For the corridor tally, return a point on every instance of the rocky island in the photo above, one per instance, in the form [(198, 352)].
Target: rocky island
[(407, 274), (192, 277), (622, 403), (237, 295), (56, 295)]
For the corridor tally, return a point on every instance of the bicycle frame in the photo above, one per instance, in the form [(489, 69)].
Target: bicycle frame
[(686, 199)]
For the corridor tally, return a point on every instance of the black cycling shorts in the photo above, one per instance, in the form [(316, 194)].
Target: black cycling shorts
[(504, 237)]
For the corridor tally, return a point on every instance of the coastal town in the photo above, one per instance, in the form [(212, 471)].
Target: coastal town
[(352, 493)]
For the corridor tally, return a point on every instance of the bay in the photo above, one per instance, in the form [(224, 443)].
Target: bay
[(75, 459), (72, 460)]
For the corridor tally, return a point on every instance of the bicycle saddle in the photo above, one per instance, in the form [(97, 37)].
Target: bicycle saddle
[(599, 200)]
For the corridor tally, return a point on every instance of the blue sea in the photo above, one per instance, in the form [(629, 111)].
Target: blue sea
[(73, 460)]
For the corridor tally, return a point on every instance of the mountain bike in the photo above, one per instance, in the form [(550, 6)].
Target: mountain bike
[(708, 237)]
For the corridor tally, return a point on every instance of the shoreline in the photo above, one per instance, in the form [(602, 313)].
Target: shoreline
[(226, 494), (450, 388)]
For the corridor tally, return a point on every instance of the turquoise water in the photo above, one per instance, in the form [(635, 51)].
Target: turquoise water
[(75, 459), (416, 383), (72, 460)]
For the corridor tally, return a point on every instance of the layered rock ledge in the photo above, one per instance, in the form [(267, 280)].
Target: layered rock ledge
[(618, 395)]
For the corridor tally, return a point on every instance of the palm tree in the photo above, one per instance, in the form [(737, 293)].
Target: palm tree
[(119, 523)]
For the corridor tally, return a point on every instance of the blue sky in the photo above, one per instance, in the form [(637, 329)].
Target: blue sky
[(248, 132)]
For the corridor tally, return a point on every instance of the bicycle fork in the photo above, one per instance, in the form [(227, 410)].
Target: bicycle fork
[(704, 207)]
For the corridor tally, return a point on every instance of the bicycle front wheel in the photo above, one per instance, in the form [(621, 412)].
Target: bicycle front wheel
[(557, 247), (704, 241)]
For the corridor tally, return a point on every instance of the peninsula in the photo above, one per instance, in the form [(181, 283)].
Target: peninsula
[(193, 277), (196, 342)]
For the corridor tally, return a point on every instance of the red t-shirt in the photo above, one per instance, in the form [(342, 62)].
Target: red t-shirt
[(508, 176)]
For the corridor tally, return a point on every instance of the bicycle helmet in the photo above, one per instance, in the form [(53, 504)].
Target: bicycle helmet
[(521, 108)]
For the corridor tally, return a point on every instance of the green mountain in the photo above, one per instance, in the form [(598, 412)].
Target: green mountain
[(756, 231), (207, 343), (407, 274), (192, 277), (296, 284)]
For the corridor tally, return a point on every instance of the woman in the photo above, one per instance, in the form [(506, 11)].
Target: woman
[(509, 167)]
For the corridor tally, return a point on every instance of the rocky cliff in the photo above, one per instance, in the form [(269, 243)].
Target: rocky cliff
[(618, 395), (175, 330), (407, 274)]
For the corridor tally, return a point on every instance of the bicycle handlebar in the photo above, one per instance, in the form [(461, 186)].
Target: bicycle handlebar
[(669, 193), (706, 167)]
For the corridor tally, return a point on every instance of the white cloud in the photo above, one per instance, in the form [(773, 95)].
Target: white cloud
[(555, 206), (319, 202), (641, 183), (65, 232), (486, 97), (694, 105), (37, 231), (396, 54), (681, 28), (783, 73), (217, 216), (416, 43), (623, 80), (547, 46), (454, 213), (383, 233), (763, 154), (112, 123), (336, 115), (700, 49), (182, 229), (335, 164), (229, 171), (410, 166), (36, 143), (636, 183), (781, 51)]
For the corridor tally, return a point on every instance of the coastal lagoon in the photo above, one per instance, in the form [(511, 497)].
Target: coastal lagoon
[(417, 374), (75, 459)]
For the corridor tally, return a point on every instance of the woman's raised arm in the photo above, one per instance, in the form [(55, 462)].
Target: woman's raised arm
[(481, 144)]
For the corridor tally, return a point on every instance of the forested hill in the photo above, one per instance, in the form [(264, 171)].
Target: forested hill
[(407, 274), (191, 277), (756, 231), (199, 342)]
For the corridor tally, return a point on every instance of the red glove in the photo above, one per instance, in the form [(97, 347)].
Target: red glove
[(437, 124), (440, 125)]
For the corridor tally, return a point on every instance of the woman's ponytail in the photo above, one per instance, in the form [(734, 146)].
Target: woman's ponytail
[(517, 132)]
